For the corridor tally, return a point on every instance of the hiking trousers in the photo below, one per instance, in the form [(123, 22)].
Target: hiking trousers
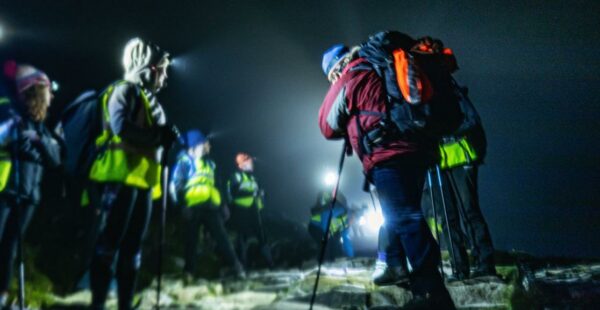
[(247, 224), (9, 235), (399, 188), (211, 218), (128, 211)]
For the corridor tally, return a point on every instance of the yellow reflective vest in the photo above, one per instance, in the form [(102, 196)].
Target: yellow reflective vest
[(200, 187), (5, 168), (120, 164), (337, 222), (247, 191), (5, 159), (456, 153)]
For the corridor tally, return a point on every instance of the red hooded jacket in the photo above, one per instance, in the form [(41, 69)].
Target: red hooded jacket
[(360, 90)]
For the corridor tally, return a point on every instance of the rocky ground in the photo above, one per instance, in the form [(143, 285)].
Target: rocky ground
[(525, 282), (346, 284)]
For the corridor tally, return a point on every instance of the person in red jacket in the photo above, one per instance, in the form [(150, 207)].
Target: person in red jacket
[(353, 105)]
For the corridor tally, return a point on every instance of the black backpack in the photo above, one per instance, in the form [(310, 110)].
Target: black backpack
[(81, 122), (422, 101)]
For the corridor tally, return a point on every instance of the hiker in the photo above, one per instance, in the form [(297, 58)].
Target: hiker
[(355, 109), (27, 149), (194, 186), (134, 136)]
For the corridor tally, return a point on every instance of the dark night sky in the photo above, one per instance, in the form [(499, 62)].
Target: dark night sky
[(251, 75)]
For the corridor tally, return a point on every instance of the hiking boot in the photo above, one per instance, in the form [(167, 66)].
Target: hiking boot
[(385, 275)]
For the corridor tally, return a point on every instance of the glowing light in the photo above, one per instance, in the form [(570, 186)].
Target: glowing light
[(330, 178), (371, 220), (54, 86), (176, 62), (1, 32)]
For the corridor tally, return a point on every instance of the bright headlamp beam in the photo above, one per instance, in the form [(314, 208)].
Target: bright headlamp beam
[(330, 179)]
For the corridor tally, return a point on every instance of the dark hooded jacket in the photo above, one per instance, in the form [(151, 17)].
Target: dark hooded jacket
[(33, 155)]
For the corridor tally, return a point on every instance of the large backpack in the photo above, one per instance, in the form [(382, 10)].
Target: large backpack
[(81, 122), (422, 101)]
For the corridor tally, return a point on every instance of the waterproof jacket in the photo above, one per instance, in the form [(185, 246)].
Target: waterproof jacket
[(354, 96), (127, 120), (193, 182), (472, 128), (243, 190), (468, 144), (320, 213), (129, 144), (34, 155)]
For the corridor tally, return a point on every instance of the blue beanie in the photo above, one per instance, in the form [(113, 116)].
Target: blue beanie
[(332, 56), (194, 137)]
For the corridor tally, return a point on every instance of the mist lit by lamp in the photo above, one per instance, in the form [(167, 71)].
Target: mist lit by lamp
[(1, 32)]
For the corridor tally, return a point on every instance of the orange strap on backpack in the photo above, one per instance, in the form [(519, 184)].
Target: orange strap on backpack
[(412, 81)]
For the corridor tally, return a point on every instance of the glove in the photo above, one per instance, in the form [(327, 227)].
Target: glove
[(168, 135)]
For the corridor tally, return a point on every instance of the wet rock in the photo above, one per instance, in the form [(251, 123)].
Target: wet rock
[(344, 284), (389, 296), (559, 286), (484, 292)]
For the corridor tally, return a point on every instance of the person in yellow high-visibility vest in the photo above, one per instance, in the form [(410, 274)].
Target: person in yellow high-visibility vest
[(27, 149), (194, 187), (339, 243), (135, 133), (247, 201), (461, 154)]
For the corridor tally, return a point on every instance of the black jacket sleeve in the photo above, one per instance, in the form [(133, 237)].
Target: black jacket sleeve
[(49, 149)]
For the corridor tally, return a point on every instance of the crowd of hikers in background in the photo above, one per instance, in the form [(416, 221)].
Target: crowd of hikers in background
[(392, 99)]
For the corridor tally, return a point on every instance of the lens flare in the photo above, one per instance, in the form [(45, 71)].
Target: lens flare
[(330, 178), (371, 220)]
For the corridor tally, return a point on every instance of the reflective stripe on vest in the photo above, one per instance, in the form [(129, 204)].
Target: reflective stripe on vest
[(457, 153), (200, 188), (249, 189), (337, 223), (5, 160), (431, 222), (115, 164), (5, 168)]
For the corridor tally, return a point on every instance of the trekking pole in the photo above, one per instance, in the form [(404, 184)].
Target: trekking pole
[(448, 230), (326, 235), (21, 280), (163, 211), (373, 198), (163, 222), (261, 196), (461, 208), (435, 225)]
